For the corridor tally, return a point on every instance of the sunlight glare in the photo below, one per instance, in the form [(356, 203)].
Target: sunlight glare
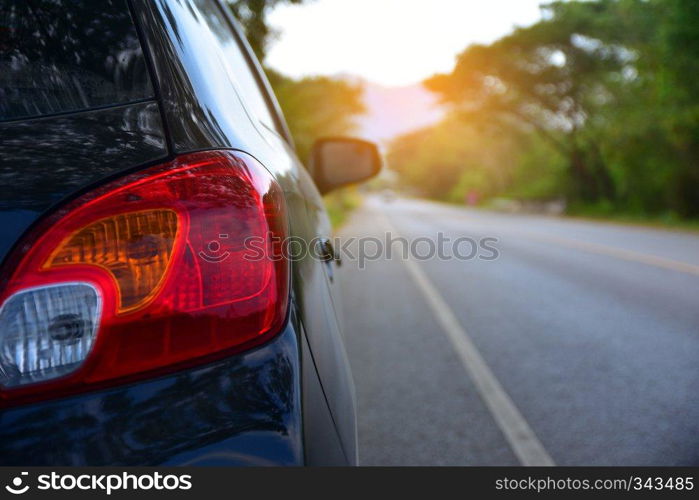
[(392, 42)]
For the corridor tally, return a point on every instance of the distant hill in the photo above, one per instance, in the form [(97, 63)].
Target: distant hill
[(392, 111)]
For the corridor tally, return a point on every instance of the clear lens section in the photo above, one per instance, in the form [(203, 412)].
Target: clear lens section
[(47, 332)]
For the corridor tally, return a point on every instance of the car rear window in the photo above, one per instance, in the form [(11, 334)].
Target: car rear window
[(59, 56)]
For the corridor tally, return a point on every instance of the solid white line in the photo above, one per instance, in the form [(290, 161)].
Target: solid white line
[(524, 443)]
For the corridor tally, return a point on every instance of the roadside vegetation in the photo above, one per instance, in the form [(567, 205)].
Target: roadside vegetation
[(594, 109), (313, 106)]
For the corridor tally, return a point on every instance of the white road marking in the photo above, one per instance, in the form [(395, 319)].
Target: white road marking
[(524, 443)]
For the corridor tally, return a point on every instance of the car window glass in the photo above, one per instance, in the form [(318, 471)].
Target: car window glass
[(235, 63), (59, 56)]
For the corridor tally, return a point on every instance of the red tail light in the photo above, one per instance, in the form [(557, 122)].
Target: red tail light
[(145, 275)]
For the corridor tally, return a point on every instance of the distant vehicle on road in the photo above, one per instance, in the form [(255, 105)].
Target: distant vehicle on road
[(142, 154)]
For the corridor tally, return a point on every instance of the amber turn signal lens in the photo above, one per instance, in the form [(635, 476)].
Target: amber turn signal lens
[(135, 248), (147, 274)]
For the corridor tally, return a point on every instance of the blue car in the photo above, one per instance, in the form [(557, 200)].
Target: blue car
[(151, 312)]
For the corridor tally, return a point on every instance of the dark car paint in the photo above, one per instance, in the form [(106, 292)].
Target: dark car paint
[(227, 430), (208, 124), (44, 160), (244, 410)]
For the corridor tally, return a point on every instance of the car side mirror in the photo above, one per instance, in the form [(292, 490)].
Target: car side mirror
[(339, 161)]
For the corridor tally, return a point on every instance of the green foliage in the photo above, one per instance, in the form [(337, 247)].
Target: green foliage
[(340, 203), (597, 103), (316, 106), (458, 157), (252, 15), (539, 174)]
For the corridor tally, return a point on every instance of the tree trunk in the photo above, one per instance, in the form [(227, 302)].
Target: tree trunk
[(590, 180)]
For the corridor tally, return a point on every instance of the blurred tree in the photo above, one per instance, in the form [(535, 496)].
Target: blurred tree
[(595, 100), (679, 51), (313, 106), (548, 76), (252, 14), (316, 106), (457, 157)]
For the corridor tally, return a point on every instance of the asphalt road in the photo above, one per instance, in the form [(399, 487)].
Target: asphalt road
[(578, 344)]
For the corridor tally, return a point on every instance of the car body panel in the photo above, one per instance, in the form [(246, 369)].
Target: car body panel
[(175, 57), (288, 402), (243, 410), (45, 160)]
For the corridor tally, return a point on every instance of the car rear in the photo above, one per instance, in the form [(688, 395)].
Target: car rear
[(134, 327)]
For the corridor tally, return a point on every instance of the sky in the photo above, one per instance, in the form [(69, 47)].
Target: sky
[(389, 42)]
